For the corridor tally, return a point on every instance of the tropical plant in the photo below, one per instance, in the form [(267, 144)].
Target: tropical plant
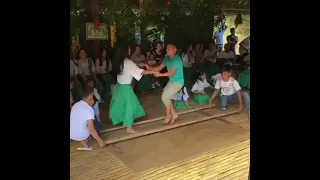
[(154, 33), (120, 13)]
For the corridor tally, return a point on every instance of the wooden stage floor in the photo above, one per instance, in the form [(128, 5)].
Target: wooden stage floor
[(203, 144)]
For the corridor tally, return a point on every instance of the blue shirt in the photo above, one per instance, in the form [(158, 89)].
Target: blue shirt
[(175, 62)]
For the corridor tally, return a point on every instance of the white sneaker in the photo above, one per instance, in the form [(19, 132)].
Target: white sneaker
[(153, 86)]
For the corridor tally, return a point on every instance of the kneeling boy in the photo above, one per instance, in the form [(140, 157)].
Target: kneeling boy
[(82, 121), (230, 89)]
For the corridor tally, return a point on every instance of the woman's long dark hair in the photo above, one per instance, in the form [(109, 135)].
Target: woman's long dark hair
[(101, 58), (120, 53), (186, 49)]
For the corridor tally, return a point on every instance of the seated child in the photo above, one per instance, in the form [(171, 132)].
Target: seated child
[(97, 99), (82, 123), (244, 82), (180, 99), (201, 83), (230, 89), (151, 62)]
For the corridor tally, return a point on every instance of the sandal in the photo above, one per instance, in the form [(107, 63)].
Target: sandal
[(88, 148)]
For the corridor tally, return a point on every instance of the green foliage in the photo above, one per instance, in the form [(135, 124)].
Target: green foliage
[(120, 13), (242, 31), (184, 20)]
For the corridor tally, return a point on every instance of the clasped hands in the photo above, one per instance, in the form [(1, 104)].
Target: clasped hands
[(155, 73)]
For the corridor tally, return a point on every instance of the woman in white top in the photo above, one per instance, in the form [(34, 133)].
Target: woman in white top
[(102, 65), (125, 106), (227, 55), (86, 66), (210, 57), (198, 49), (198, 88), (137, 56), (210, 54), (188, 60)]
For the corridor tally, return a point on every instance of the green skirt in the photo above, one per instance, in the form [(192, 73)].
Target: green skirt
[(125, 106), (187, 73), (201, 98), (145, 83), (180, 104)]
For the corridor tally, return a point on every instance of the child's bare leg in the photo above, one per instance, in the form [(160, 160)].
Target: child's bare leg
[(130, 129), (84, 143), (174, 114)]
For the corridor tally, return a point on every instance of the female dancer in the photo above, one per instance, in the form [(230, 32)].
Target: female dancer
[(125, 106)]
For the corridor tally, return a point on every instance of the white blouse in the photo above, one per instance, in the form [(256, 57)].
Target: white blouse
[(100, 69), (130, 69), (225, 55), (210, 54), (179, 95), (73, 68), (84, 67), (200, 86), (185, 60)]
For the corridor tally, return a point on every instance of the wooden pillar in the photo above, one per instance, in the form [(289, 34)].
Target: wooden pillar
[(95, 17)]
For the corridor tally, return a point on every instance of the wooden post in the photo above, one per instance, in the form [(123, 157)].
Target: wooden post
[(95, 17)]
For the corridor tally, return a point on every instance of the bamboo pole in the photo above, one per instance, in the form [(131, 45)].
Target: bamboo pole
[(159, 118), (165, 128)]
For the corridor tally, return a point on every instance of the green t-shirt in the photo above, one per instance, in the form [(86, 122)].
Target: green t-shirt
[(244, 79), (175, 62)]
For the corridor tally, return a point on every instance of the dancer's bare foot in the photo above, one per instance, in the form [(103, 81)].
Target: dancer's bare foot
[(174, 117), (167, 120), (130, 130)]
